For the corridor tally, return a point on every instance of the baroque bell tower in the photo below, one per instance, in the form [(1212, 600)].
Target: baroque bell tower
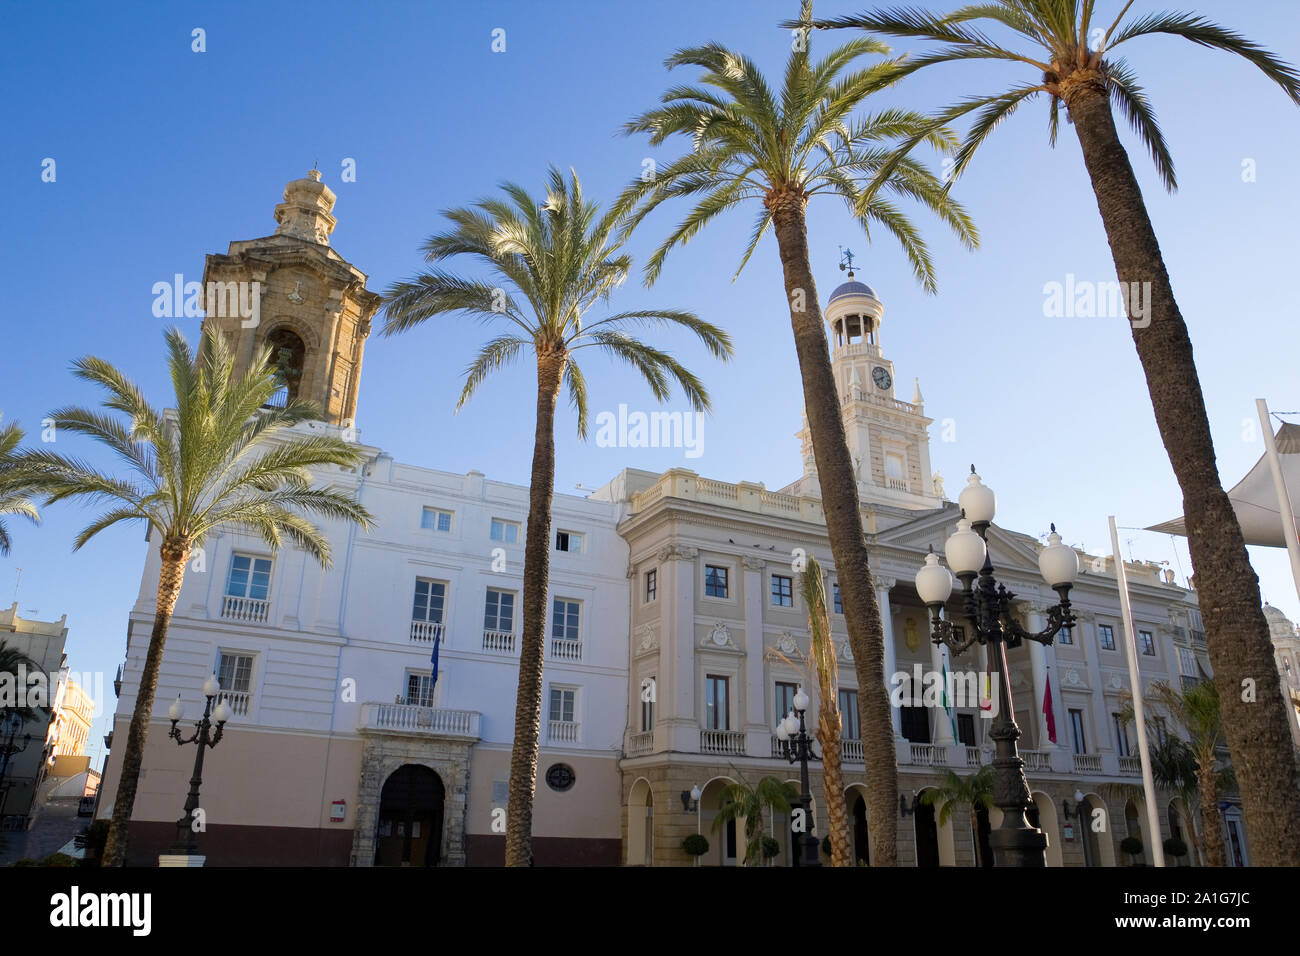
[(888, 438), (310, 305)]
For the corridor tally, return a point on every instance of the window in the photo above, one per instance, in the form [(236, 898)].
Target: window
[(562, 700), (1162, 732), (1121, 736), (966, 729), (915, 724), (1065, 637), (782, 591), (1186, 662), (839, 605), (235, 675), (1107, 635), (235, 672), (505, 531), (419, 689), (715, 581), (1076, 732), (651, 585), (648, 688), (430, 597), (435, 519), (569, 541), (1147, 643), (848, 701), (499, 611), (564, 620), (785, 692), (250, 577), (717, 711)]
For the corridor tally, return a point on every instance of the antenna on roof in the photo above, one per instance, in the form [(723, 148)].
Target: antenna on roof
[(846, 260)]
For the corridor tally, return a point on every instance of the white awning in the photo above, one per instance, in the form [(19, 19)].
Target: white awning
[(1253, 498)]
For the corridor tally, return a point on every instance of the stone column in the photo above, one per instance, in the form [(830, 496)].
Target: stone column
[(883, 587), (758, 735), (677, 651), (939, 663)]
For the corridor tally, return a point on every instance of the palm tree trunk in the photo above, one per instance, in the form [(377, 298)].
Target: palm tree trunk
[(1211, 822), (828, 735), (174, 557), (1228, 590), (537, 561), (843, 522), (975, 832)]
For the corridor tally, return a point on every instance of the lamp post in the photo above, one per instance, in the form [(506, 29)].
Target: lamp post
[(186, 843), (987, 606), (797, 745), (9, 727), (691, 801)]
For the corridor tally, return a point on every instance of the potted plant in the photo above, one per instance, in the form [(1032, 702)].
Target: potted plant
[(1174, 847), (695, 845), (1133, 847), (771, 847)]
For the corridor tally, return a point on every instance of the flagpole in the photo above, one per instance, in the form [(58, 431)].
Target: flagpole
[(1279, 486), (1148, 785)]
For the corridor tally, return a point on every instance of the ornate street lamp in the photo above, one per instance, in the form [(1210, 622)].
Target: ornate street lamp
[(987, 607), (186, 843), (797, 745)]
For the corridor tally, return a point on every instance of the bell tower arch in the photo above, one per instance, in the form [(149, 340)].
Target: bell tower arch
[(310, 306)]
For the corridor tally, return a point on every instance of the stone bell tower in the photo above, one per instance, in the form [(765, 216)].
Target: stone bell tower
[(311, 305)]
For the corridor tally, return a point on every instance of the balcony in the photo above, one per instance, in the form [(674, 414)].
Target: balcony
[(730, 742), (237, 701), (424, 721), (851, 751), (426, 632), (898, 484), (972, 756), (929, 755), (499, 642), (642, 743), (565, 650), (1036, 761), (1087, 763), (1198, 637), (1130, 766), (562, 731), (248, 610)]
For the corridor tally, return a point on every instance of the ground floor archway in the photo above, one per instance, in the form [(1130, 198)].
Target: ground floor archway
[(411, 805)]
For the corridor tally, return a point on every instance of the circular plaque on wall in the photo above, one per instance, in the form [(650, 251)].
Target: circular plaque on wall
[(560, 776)]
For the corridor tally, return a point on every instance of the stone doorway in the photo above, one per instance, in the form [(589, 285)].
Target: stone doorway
[(410, 818)]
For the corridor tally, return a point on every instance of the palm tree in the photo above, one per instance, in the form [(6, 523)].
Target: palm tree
[(13, 663), (1072, 64), (830, 727), (781, 150), (217, 461), (15, 494), (552, 260), (1173, 768), (741, 801), (1197, 710), (973, 791)]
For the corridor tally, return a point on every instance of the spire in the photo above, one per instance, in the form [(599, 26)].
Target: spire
[(917, 399), (305, 212)]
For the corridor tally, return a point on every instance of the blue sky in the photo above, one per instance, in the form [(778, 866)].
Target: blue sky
[(164, 155)]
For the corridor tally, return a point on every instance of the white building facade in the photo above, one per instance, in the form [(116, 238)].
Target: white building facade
[(673, 644)]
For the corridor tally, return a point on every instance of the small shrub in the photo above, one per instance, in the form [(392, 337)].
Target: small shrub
[(1175, 847), (695, 845), (771, 847)]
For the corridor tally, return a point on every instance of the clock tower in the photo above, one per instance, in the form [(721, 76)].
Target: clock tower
[(888, 439)]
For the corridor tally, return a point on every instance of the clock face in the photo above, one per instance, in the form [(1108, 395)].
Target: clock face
[(880, 375)]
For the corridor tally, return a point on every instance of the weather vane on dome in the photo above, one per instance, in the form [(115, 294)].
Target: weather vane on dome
[(846, 260)]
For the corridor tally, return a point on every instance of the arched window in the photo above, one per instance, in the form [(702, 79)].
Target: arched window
[(288, 356)]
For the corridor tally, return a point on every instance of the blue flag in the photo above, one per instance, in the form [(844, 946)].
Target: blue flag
[(437, 637)]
